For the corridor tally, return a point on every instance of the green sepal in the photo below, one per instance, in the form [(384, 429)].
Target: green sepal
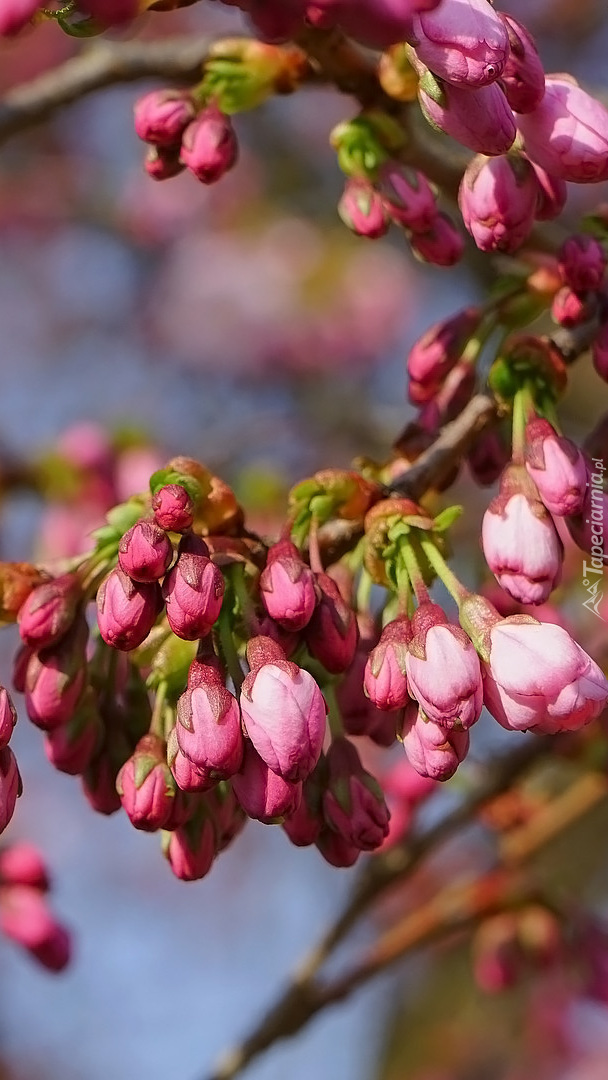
[(84, 28), (162, 477), (446, 518)]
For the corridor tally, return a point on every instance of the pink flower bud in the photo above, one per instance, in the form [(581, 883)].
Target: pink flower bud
[(488, 458), (10, 786), (552, 194), (353, 804), (146, 786), (209, 146), (126, 610), (20, 665), (441, 245), (331, 634), (162, 116), (385, 680), (519, 540), (287, 587), (8, 717), (479, 119), (173, 508), (284, 713), (145, 552), (185, 773), (15, 14), (262, 793), (362, 209), (538, 677), (304, 824), (498, 198), (582, 262), (557, 467), (433, 750), (49, 611), (570, 309), (110, 12), (336, 849), (163, 163), (599, 352), (26, 919), (440, 348), (193, 590), (71, 747), (587, 529), (55, 679), (99, 784), (567, 134), (408, 197), (208, 727), (191, 849), (443, 670), (463, 41), (523, 77), (23, 864)]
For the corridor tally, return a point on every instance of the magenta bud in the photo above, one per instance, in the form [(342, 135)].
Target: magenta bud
[(99, 784), (10, 786), (163, 163), (552, 194), (173, 508), (262, 793), (49, 611), (523, 77), (557, 467), (385, 681), (443, 670), (463, 41), (191, 849), (567, 134), (145, 552), (162, 116), (110, 12), (433, 750), (228, 817), (55, 679), (353, 803), (362, 209), (209, 146), (441, 245), (26, 919), (8, 717), (15, 14), (305, 823), (186, 775), (71, 747), (408, 197), (331, 634), (20, 665), (145, 785), (439, 349), (570, 309), (479, 119), (582, 262), (23, 864), (287, 587), (208, 729), (126, 610), (336, 849), (193, 590), (487, 458), (498, 198)]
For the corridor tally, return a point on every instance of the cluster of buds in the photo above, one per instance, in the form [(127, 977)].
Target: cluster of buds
[(10, 780), (181, 135), (25, 916)]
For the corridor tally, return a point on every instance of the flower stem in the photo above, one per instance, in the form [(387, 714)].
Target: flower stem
[(455, 587), (228, 649), (414, 572)]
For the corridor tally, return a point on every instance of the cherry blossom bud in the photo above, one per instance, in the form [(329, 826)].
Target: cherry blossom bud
[(110, 12), (26, 918), (479, 119), (146, 786), (190, 850), (99, 784), (433, 750), (463, 41), (283, 711), (209, 146), (523, 77), (331, 634), (385, 680), (287, 587), (263, 794), (15, 14), (305, 823), (208, 727), (8, 717), (582, 262), (336, 849), (557, 467), (126, 610), (173, 508), (567, 134), (20, 665), (362, 209), (185, 773), (441, 245), (599, 352), (23, 864), (552, 194), (71, 747), (570, 309), (163, 163), (145, 552), (55, 679), (162, 116), (443, 669), (49, 611), (10, 786), (353, 804), (488, 458), (519, 540), (440, 348), (538, 677), (193, 590), (498, 199), (408, 197)]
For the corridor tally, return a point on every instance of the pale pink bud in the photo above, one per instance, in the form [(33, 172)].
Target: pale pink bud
[(8, 717), (385, 680), (163, 163), (362, 209), (567, 134), (208, 727), (552, 194), (26, 918), (523, 77), (331, 634), (193, 590), (55, 679), (146, 786), (557, 467), (441, 245), (479, 119), (353, 804), (262, 793), (599, 352), (539, 677), (209, 146), (439, 349), (284, 713), (287, 587), (10, 786), (162, 116), (49, 611), (15, 14), (519, 540), (570, 309), (432, 750), (463, 41), (23, 864), (443, 670), (173, 508), (126, 610), (408, 197), (191, 849), (582, 262), (145, 552), (498, 198)]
